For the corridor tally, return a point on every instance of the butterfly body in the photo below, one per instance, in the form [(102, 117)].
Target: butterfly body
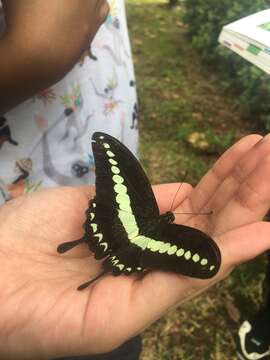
[(124, 227)]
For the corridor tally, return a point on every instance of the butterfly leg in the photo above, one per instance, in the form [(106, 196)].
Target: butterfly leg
[(88, 283)]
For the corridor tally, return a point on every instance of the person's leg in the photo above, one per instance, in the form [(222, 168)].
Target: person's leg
[(130, 350)]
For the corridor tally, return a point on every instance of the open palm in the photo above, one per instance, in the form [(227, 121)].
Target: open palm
[(42, 315)]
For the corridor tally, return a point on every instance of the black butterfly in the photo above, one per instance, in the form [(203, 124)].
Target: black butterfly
[(124, 227)]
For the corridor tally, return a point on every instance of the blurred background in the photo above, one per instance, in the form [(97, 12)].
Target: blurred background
[(196, 99)]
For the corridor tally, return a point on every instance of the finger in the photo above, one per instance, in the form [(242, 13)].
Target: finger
[(171, 195), (239, 173), (209, 184), (250, 203), (244, 244)]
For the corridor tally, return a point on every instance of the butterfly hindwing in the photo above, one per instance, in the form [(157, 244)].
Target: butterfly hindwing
[(104, 232), (127, 261), (95, 233), (181, 249)]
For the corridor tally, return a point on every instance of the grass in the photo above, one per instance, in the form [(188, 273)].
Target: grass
[(186, 122)]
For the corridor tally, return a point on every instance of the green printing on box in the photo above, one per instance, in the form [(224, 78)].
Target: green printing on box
[(265, 26), (255, 50)]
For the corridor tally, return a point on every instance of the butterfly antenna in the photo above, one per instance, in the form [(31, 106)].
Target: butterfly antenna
[(88, 283), (193, 213), (179, 187), (187, 213), (66, 246)]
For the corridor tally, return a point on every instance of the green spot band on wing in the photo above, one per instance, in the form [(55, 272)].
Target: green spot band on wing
[(115, 170), (124, 203), (127, 218), (94, 227), (113, 162), (123, 199), (196, 258), (140, 241), (125, 207), (110, 154), (107, 146), (133, 233), (129, 223), (187, 255), (154, 245), (120, 189), (172, 250), (180, 252), (117, 179), (164, 247), (204, 262)]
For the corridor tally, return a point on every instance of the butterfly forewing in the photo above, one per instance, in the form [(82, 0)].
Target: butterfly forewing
[(116, 168), (113, 216)]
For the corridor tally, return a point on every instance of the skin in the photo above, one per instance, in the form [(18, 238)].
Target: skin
[(43, 41), (42, 315)]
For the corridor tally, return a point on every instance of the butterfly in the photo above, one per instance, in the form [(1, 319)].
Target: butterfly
[(124, 227)]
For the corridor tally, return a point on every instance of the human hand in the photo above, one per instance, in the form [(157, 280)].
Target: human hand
[(41, 313)]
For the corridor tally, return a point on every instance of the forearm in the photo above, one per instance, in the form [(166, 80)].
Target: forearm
[(44, 40), (24, 74)]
